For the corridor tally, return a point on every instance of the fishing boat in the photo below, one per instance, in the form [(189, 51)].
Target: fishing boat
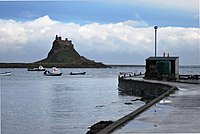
[(77, 73), (5, 74), (40, 68), (53, 72)]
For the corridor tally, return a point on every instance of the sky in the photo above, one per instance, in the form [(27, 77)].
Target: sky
[(108, 31)]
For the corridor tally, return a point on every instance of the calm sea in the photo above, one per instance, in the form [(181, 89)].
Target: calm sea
[(32, 103)]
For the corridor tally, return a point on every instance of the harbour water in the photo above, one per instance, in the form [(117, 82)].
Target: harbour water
[(32, 103)]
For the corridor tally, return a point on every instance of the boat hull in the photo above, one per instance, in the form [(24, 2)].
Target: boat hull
[(50, 74), (5, 74), (78, 73), (54, 72), (35, 69)]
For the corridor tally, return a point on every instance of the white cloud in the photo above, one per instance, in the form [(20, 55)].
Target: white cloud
[(127, 42), (136, 23)]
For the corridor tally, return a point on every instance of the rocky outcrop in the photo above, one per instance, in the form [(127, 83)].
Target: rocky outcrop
[(63, 52), (98, 127)]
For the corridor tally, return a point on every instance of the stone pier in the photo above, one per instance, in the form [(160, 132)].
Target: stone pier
[(153, 90)]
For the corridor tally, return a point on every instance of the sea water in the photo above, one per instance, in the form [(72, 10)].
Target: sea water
[(32, 103)]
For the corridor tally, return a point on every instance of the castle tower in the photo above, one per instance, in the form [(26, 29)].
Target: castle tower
[(62, 43), (58, 38)]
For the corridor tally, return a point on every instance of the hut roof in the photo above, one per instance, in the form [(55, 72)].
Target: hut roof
[(162, 58)]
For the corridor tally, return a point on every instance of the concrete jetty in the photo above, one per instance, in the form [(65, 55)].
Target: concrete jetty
[(177, 113)]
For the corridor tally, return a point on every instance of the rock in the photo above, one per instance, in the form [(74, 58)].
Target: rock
[(98, 126), (128, 103), (100, 106), (136, 99), (142, 99), (63, 52)]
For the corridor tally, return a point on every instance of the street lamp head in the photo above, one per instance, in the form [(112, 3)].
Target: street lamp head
[(156, 27)]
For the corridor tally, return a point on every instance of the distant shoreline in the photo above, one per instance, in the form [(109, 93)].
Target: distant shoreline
[(49, 65), (126, 65), (61, 65), (67, 65)]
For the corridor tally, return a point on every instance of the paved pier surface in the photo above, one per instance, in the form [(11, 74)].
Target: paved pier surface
[(178, 113)]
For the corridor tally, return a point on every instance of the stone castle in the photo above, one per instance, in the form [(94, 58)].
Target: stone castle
[(58, 40), (63, 52), (60, 45)]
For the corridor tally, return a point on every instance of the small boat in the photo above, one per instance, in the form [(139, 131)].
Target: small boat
[(5, 74), (40, 68), (53, 72), (77, 73)]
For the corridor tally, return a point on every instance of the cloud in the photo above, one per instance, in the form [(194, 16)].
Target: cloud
[(176, 3), (136, 23), (187, 5), (128, 42)]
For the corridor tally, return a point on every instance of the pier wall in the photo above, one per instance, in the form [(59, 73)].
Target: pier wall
[(155, 90), (142, 88)]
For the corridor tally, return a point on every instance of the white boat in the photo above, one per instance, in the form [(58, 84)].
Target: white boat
[(5, 74), (40, 68), (53, 72)]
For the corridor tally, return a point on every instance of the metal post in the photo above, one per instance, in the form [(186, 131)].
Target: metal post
[(156, 27)]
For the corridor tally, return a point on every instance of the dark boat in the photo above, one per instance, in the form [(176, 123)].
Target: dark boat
[(40, 68), (77, 73), (54, 72)]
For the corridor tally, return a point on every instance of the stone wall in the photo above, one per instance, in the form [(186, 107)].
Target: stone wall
[(137, 86), (142, 88)]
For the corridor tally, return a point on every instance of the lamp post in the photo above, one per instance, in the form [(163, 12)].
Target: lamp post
[(156, 27)]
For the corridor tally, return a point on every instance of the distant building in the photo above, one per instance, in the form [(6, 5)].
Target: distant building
[(163, 68), (58, 41)]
